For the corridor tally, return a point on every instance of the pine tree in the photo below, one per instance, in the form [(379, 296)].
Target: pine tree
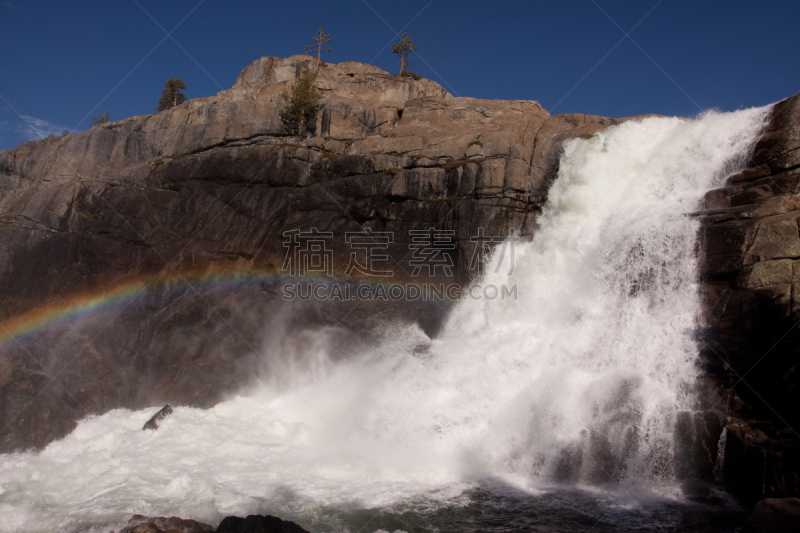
[(403, 48), (172, 94), (299, 113), (320, 40)]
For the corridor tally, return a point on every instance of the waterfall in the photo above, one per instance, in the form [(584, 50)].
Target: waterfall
[(577, 381)]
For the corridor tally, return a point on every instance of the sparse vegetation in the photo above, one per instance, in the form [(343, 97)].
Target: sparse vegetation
[(403, 48), (391, 171), (102, 119), (320, 40), (411, 74), (172, 94), (300, 111)]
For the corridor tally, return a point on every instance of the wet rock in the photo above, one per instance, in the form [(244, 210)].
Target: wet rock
[(749, 346), (776, 237), (147, 524), (258, 524), (158, 417), (697, 449), (766, 273), (758, 458), (774, 515)]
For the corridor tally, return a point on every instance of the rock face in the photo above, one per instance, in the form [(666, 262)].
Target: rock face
[(172, 229), (751, 275)]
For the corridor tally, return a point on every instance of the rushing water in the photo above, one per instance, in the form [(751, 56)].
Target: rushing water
[(555, 410)]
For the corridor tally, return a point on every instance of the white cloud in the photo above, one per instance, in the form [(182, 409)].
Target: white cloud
[(37, 128)]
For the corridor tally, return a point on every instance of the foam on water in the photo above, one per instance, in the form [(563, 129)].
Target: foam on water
[(576, 382)]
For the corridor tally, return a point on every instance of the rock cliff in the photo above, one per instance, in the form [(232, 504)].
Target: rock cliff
[(154, 249), (172, 228), (751, 348)]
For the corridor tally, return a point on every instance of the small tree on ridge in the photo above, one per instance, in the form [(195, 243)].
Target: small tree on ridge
[(172, 94), (403, 48), (320, 40), (102, 119)]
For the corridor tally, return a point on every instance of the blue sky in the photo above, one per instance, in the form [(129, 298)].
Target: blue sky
[(64, 62)]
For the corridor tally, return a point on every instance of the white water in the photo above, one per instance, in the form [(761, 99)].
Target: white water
[(577, 382)]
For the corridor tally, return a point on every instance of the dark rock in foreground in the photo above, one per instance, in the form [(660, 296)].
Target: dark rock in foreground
[(774, 515), (156, 418), (147, 524), (230, 524), (258, 524)]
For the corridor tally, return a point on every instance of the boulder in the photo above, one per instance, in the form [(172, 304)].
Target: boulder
[(258, 524), (774, 515), (158, 417), (147, 524)]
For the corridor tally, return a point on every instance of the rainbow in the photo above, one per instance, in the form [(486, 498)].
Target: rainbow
[(125, 293)]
